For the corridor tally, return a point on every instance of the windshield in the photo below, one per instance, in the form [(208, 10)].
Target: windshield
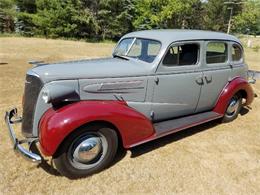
[(142, 49)]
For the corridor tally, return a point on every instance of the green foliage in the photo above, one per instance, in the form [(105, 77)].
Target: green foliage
[(7, 12), (168, 14), (58, 18), (101, 19), (110, 19), (28, 6), (217, 15), (114, 18), (248, 21)]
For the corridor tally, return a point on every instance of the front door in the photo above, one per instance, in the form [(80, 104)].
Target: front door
[(178, 82)]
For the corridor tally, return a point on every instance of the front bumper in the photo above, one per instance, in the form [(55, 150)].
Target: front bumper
[(10, 119)]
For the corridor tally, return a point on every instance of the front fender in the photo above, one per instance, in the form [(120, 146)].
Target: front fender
[(55, 125), (234, 86)]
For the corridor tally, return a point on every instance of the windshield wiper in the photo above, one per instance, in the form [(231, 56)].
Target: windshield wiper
[(121, 57)]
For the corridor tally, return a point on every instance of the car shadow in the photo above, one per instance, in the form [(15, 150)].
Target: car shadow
[(155, 144), (244, 111), (49, 168)]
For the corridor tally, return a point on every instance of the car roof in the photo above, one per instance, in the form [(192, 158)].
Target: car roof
[(168, 36)]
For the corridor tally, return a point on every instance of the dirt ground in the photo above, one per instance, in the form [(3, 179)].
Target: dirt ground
[(209, 159)]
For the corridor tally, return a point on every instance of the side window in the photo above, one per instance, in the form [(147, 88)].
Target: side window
[(236, 53), (181, 55), (216, 52)]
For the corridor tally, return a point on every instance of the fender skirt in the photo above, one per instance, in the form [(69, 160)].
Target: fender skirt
[(237, 84), (55, 125)]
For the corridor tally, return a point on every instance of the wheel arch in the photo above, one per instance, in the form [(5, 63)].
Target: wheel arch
[(56, 125), (237, 85), (243, 93), (101, 123)]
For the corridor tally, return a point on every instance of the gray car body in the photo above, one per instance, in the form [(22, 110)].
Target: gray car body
[(176, 94)]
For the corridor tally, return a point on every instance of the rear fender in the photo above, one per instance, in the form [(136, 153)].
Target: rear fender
[(56, 125), (234, 86)]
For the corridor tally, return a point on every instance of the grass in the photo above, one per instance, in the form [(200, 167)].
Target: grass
[(252, 54), (209, 159)]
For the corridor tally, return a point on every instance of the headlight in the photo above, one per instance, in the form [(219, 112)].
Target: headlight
[(58, 93)]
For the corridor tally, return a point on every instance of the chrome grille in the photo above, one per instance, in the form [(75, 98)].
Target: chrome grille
[(32, 89)]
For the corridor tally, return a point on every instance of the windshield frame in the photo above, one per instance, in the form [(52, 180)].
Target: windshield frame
[(131, 45)]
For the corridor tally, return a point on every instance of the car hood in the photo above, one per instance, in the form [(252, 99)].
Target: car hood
[(93, 68)]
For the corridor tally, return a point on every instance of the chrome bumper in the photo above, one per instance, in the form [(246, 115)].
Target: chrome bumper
[(252, 76), (12, 118)]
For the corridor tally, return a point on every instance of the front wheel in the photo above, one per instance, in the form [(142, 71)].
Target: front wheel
[(233, 108), (87, 151)]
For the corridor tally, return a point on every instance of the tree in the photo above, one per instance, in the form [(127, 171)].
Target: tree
[(168, 14), (217, 13), (63, 18), (248, 21), (114, 18), (7, 16), (100, 19), (216, 16), (110, 19), (24, 16), (182, 14)]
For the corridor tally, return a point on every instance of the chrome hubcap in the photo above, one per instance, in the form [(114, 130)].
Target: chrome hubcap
[(233, 106), (88, 150)]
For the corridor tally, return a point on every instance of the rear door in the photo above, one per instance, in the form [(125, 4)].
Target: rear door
[(178, 81), (216, 73)]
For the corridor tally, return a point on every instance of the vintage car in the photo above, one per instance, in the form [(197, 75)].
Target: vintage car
[(157, 82)]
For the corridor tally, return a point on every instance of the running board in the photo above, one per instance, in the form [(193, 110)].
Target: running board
[(170, 126)]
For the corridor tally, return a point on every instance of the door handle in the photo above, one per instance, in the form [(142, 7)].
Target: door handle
[(208, 78), (199, 80)]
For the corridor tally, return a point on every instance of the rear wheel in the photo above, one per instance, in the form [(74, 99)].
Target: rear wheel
[(87, 151), (233, 108)]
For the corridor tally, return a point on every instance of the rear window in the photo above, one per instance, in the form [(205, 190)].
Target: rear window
[(237, 53), (216, 53)]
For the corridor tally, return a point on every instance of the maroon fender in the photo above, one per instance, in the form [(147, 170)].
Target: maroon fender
[(237, 84), (55, 125)]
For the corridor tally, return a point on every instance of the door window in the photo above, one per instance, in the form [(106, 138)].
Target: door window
[(216, 53), (181, 55), (236, 53)]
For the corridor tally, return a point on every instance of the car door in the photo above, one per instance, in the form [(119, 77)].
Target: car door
[(216, 72), (178, 81)]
